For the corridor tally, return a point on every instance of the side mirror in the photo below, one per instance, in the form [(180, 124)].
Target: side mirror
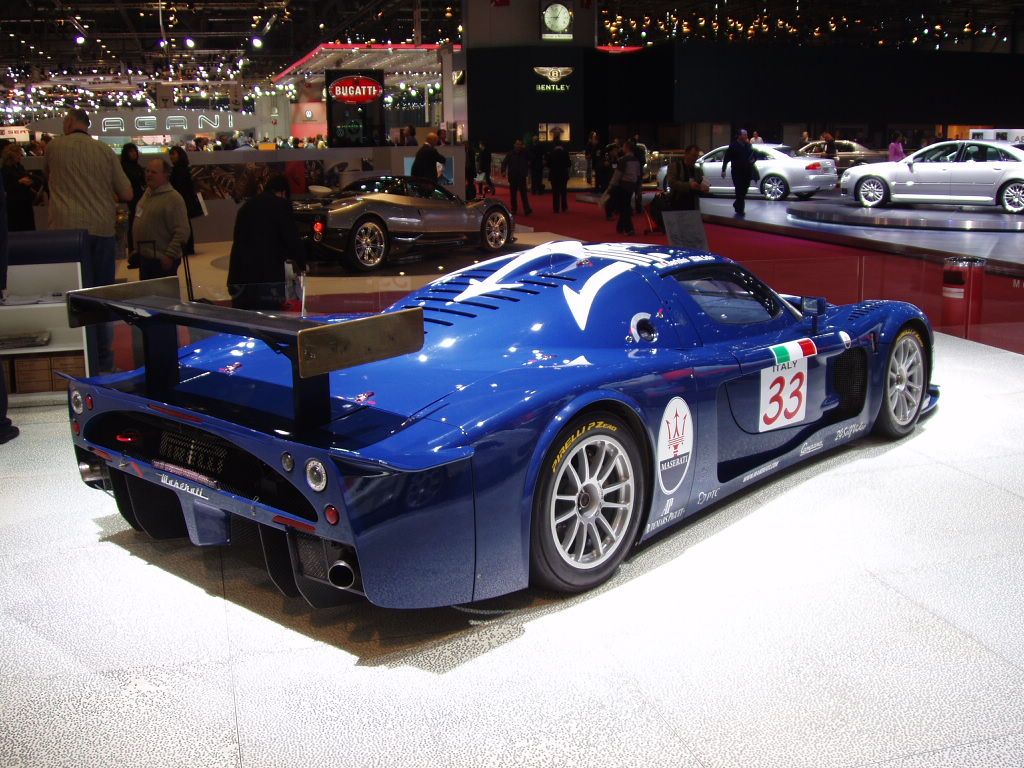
[(813, 306)]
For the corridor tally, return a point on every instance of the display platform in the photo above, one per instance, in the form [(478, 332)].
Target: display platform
[(866, 609), (945, 218)]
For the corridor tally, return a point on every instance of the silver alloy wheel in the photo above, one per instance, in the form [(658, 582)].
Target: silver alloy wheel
[(369, 244), (872, 192), (496, 230), (1012, 198), (592, 502), (905, 380), (774, 187)]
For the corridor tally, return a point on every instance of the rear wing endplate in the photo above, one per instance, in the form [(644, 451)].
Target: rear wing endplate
[(314, 349)]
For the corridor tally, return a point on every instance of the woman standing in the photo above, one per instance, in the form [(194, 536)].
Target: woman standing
[(181, 180), (896, 152), (20, 194)]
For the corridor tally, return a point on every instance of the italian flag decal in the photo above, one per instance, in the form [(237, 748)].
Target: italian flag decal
[(793, 350)]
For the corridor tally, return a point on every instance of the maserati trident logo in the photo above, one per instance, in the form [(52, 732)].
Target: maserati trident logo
[(554, 76)]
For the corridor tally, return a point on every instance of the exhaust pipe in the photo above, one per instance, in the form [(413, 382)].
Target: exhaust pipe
[(341, 575), (91, 473)]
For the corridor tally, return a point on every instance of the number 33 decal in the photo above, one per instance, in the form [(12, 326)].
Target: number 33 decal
[(783, 395)]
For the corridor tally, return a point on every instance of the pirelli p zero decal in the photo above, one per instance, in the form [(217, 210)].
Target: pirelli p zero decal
[(580, 433)]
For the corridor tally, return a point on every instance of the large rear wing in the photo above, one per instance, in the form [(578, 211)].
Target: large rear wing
[(314, 349)]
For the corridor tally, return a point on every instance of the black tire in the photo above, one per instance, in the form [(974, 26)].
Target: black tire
[(868, 185), (495, 230), (369, 245), (904, 385), (774, 187), (566, 556)]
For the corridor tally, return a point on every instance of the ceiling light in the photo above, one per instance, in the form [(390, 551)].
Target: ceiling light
[(257, 42), (190, 43), (79, 39)]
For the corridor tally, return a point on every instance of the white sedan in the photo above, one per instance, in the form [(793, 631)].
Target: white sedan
[(950, 172), (780, 172)]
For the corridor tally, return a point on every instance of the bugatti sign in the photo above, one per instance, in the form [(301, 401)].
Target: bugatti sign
[(355, 89)]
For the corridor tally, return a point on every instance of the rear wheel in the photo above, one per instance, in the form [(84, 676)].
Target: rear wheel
[(905, 385), (1011, 197), (494, 231), (368, 246), (872, 192), (774, 187), (587, 506)]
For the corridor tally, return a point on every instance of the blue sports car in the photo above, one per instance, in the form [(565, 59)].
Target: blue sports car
[(523, 421)]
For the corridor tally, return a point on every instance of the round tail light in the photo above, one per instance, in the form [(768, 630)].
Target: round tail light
[(331, 514), (77, 402), (316, 475)]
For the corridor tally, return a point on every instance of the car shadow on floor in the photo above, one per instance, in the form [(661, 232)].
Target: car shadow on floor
[(439, 640)]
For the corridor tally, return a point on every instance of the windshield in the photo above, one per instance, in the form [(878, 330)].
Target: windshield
[(783, 149), (387, 184)]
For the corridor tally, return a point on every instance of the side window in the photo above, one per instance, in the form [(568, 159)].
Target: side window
[(759, 155), (1006, 157), (816, 147), (975, 153), (941, 153), (714, 157), (845, 146), (729, 296)]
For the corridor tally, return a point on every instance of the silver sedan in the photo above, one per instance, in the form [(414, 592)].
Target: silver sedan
[(950, 172), (779, 170)]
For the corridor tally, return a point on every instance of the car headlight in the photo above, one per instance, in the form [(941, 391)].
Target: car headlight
[(316, 475), (846, 175)]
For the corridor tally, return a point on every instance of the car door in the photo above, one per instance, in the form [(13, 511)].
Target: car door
[(976, 175), (440, 210), (712, 165), (759, 365), (924, 176)]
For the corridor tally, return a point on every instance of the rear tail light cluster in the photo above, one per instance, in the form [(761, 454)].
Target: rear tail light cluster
[(813, 167), (318, 229)]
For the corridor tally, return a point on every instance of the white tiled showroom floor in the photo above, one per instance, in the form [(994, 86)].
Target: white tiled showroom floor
[(866, 609)]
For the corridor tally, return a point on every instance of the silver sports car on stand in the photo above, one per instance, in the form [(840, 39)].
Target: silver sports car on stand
[(780, 172), (374, 219), (848, 153), (950, 172)]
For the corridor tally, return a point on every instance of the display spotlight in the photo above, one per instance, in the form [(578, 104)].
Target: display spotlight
[(257, 42), (190, 43), (80, 39)]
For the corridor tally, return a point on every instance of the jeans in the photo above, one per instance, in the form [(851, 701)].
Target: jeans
[(516, 184), (98, 269)]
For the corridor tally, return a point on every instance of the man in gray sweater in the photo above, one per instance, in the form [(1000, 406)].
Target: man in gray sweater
[(161, 223)]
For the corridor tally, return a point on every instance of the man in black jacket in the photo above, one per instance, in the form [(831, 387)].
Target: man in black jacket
[(7, 430), (427, 158), (516, 166), (558, 174), (741, 155), (266, 236)]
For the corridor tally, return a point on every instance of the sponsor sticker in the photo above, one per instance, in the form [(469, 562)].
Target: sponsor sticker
[(845, 433), (761, 471), (807, 448), (675, 445)]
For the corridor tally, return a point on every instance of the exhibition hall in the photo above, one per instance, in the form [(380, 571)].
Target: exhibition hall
[(511, 382)]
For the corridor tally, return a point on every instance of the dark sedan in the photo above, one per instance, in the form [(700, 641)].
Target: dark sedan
[(848, 153), (375, 218)]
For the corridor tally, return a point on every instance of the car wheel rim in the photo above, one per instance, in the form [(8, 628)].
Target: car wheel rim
[(592, 502), (905, 380), (1013, 198), (496, 229), (871, 192), (774, 188), (369, 244)]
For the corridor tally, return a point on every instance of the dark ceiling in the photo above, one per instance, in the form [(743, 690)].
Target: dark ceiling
[(41, 34)]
